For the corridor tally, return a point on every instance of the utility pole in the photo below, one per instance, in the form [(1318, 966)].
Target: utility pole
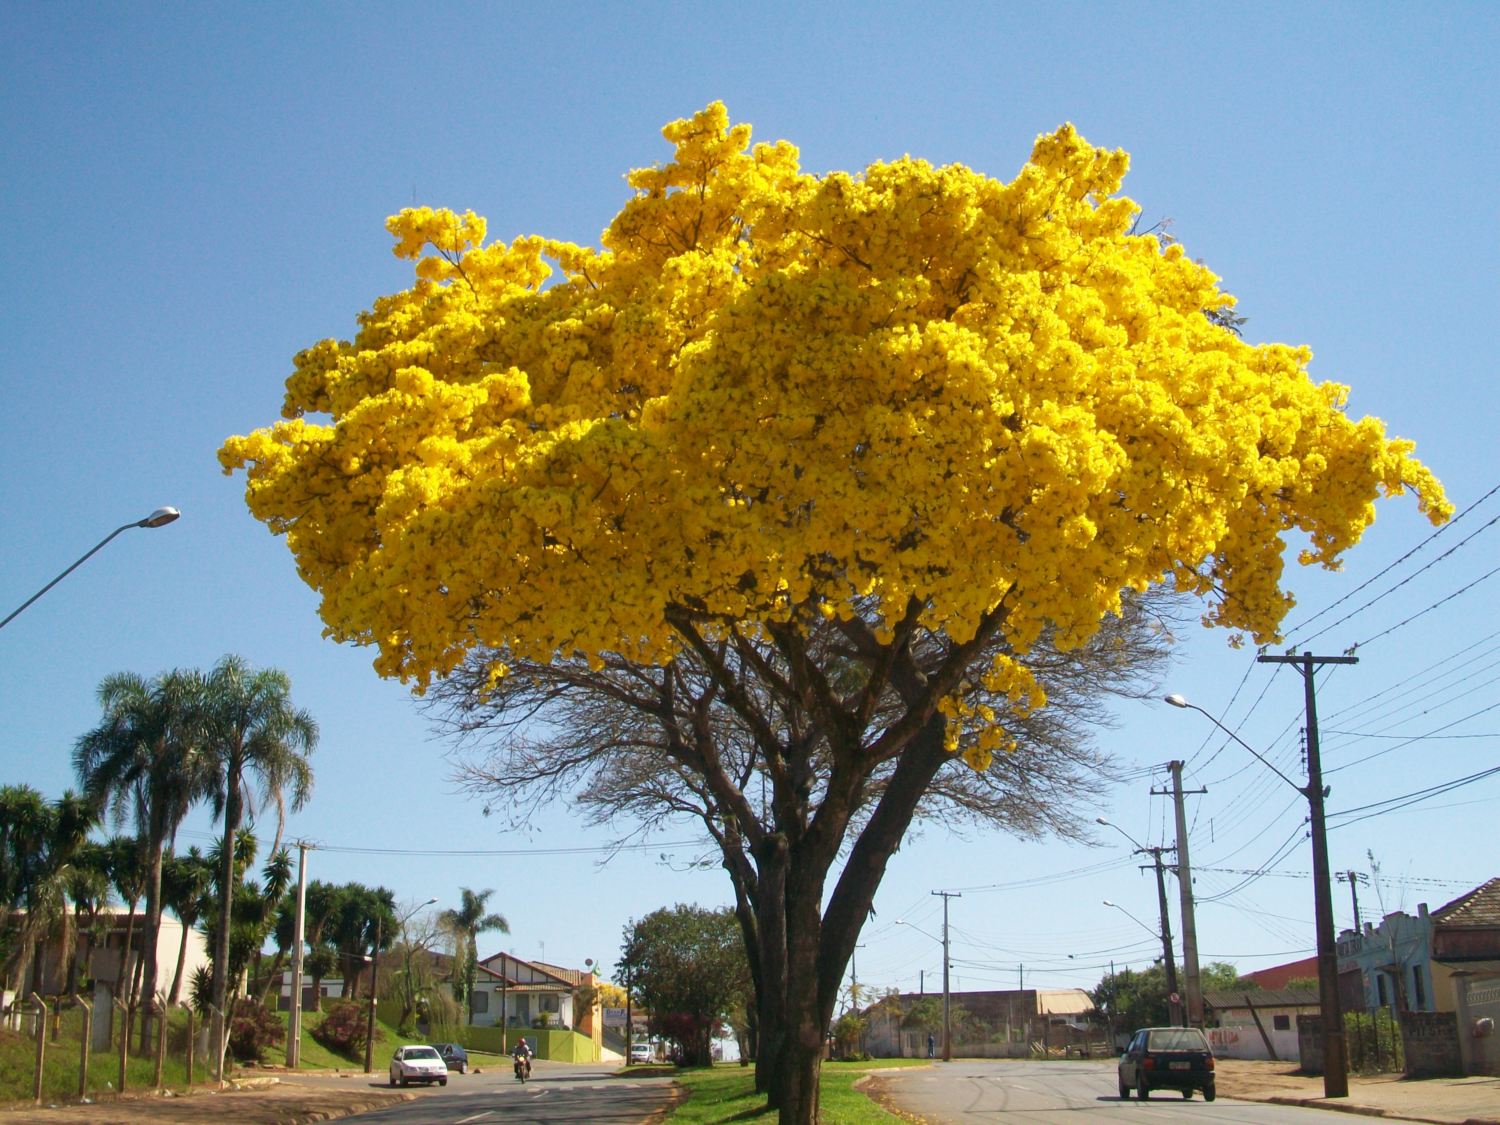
[(854, 977), (1191, 983), (947, 1000), (294, 1020), (1335, 1057), (1354, 879), (1174, 998)]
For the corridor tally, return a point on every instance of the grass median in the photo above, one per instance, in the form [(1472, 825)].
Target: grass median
[(727, 1093)]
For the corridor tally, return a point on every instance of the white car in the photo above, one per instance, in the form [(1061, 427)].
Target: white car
[(418, 1064), (640, 1052)]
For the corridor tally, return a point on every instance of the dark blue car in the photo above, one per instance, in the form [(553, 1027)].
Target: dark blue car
[(454, 1055)]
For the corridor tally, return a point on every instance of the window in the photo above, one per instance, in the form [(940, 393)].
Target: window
[(479, 1002), (1416, 987), (1380, 989), (1281, 1023)]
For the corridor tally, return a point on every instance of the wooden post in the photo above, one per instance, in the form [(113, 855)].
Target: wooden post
[(41, 1047), (85, 1046), (124, 1039), (191, 1044), (161, 1036), (1265, 1036)]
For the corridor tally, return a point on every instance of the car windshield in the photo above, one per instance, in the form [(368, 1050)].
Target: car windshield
[(1176, 1039), (420, 1053)]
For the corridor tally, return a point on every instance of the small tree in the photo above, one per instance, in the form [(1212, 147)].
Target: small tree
[(688, 966)]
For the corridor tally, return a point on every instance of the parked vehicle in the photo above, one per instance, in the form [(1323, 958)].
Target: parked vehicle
[(640, 1052), (418, 1064), (454, 1056), (1172, 1058)]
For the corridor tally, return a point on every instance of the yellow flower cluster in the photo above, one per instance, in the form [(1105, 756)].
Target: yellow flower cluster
[(769, 391)]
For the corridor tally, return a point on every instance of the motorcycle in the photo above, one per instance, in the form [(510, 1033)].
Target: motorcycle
[(523, 1067)]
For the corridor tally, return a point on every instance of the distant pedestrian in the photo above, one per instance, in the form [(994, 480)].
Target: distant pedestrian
[(931, 1045)]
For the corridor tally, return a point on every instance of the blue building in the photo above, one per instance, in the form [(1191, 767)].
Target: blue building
[(1393, 962)]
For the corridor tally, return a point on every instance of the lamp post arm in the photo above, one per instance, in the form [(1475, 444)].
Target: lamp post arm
[(1178, 701), (96, 548)]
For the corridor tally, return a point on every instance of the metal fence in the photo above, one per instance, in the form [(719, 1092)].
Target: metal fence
[(1372, 1041), (85, 1050)]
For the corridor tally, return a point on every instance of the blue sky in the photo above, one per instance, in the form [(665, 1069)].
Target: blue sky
[(196, 192)]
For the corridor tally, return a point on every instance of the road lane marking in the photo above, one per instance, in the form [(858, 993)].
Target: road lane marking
[(476, 1117)]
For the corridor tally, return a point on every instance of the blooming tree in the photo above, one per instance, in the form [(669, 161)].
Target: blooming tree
[(915, 421)]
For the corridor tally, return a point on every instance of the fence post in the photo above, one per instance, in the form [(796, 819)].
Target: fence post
[(41, 1046), (189, 1009), (159, 1004), (85, 1045), (124, 1038)]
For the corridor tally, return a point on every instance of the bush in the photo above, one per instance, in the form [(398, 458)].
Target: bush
[(253, 1029), (343, 1028)]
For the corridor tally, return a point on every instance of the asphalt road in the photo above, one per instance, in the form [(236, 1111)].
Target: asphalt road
[(1024, 1092), (556, 1093)]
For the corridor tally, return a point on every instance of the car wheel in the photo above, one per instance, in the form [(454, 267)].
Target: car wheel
[(392, 1079), (1124, 1091), (442, 1082), (403, 1081), (1142, 1091), (1187, 1094), (1209, 1093), (463, 1068)]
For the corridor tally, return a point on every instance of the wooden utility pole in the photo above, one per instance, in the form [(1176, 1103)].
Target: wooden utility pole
[(1191, 984), (1335, 1056), (947, 1000)]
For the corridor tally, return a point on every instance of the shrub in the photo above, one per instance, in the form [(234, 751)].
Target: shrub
[(253, 1029), (343, 1028)]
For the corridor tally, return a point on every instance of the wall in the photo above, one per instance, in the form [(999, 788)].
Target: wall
[(1479, 1043), (1430, 1040), (1236, 1037)]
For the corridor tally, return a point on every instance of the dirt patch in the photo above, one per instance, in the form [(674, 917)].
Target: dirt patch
[(272, 1104)]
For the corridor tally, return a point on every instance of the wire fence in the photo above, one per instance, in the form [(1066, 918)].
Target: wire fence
[(69, 1049)]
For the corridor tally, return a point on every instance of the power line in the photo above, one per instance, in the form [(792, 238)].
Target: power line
[(1422, 613), (1431, 538)]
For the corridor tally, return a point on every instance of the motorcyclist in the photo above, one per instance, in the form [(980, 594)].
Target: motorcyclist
[(522, 1054)]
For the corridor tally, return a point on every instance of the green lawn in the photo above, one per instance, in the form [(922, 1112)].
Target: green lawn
[(727, 1094), (60, 1069)]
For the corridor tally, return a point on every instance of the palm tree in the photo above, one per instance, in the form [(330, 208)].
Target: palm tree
[(250, 727), (142, 758), (38, 842), (467, 923), (185, 885), (88, 890), (127, 873)]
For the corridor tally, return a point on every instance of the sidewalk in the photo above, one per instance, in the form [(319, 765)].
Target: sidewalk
[(1444, 1101)]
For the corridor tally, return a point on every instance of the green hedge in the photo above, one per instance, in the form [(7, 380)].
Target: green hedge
[(553, 1044)]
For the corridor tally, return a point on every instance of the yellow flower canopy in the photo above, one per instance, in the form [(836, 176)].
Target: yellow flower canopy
[(771, 394)]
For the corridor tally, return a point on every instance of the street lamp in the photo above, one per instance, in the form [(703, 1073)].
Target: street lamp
[(1335, 1061), (1174, 998), (947, 1004), (375, 982), (159, 518)]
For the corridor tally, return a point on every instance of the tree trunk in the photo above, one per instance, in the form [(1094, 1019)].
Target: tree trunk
[(181, 964), (771, 861), (126, 976), (802, 1043), (150, 937), (232, 812)]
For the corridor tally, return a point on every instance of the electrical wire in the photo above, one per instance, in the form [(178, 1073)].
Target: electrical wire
[(1428, 541)]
